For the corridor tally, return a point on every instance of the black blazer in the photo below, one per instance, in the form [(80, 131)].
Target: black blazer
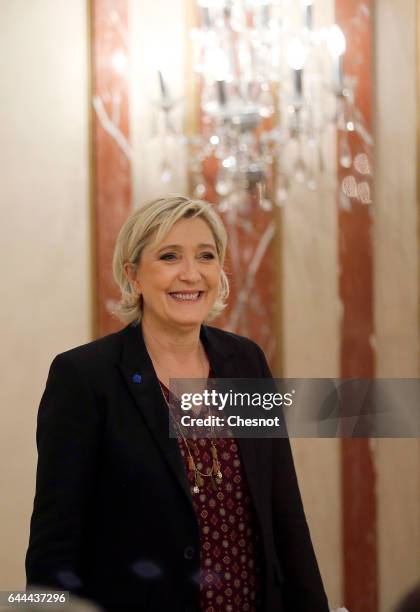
[(112, 491)]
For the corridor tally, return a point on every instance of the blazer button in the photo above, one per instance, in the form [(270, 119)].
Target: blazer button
[(189, 552)]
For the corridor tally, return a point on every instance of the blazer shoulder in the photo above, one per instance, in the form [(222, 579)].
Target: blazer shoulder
[(235, 342), (94, 353)]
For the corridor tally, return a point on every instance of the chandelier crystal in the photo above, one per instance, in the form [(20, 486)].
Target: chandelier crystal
[(271, 84)]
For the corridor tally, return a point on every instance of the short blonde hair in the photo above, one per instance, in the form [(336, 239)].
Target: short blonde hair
[(153, 221)]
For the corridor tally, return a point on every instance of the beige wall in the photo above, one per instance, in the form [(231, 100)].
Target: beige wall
[(396, 276), (44, 236), (310, 331)]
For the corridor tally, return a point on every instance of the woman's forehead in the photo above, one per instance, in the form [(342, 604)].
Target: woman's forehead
[(185, 233)]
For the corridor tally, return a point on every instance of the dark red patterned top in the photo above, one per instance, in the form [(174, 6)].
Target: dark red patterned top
[(230, 544)]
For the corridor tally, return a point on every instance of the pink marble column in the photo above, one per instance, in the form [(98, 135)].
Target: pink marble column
[(356, 294), (111, 149)]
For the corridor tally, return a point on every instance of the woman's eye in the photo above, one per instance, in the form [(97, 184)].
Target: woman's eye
[(208, 255)]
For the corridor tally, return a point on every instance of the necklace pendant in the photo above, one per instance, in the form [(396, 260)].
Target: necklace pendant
[(219, 476), (195, 489)]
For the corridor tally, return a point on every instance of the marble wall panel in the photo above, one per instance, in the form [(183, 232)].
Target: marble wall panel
[(111, 148), (357, 359), (396, 266)]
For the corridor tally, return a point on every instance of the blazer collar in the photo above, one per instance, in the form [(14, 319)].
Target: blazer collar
[(140, 377)]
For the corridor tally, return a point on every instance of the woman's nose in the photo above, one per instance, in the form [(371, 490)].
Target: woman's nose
[(190, 270)]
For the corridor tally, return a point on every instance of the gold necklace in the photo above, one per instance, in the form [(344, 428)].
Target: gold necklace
[(198, 475)]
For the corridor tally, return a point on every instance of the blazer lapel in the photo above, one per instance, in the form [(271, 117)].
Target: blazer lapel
[(256, 462), (140, 377)]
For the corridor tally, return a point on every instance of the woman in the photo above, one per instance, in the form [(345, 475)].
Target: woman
[(135, 519)]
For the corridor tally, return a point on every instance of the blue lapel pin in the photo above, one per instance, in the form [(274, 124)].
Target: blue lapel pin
[(136, 378)]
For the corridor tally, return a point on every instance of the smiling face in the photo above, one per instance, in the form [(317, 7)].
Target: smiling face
[(179, 277)]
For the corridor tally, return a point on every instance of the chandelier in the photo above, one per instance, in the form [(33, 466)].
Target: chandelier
[(271, 85)]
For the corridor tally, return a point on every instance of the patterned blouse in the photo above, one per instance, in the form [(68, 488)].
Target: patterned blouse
[(230, 544)]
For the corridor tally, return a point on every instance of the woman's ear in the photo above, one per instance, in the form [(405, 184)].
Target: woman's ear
[(130, 271)]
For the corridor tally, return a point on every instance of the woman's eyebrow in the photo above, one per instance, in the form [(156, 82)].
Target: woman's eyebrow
[(204, 245), (179, 247)]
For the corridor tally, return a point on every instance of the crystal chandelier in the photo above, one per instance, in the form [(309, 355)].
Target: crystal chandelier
[(271, 84)]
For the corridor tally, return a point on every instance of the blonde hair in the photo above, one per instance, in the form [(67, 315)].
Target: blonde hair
[(152, 222)]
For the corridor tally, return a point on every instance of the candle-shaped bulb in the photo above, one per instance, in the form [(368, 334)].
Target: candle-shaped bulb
[(221, 92), (207, 22), (308, 14), (265, 15), (217, 64), (296, 54), (337, 47), (162, 85), (336, 41)]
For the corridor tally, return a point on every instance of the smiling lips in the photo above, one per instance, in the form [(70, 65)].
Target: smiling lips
[(186, 296)]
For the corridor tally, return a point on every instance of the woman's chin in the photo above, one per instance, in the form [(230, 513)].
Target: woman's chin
[(187, 321), (187, 318)]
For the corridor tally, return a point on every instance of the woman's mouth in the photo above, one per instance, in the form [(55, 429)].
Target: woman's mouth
[(186, 296)]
